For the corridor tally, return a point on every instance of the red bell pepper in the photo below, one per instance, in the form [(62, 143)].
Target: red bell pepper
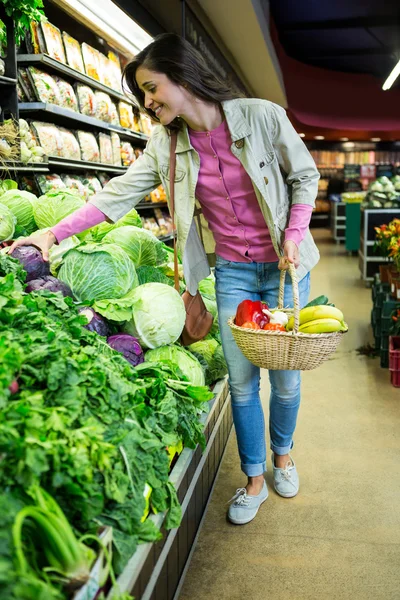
[(250, 310)]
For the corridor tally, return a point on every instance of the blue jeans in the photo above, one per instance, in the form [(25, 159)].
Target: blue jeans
[(257, 281)]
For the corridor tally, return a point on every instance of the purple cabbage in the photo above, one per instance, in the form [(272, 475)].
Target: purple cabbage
[(95, 322), (32, 261), (50, 283), (129, 346)]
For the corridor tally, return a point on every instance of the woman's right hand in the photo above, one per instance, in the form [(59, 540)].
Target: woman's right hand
[(43, 241)]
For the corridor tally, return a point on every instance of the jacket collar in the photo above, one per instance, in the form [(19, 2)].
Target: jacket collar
[(238, 126)]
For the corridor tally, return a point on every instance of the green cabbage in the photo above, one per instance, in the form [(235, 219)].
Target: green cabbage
[(20, 204), (95, 271), (209, 354), (207, 286), (152, 274), (99, 231), (7, 223), (7, 184), (54, 206), (185, 360), (158, 315), (142, 246)]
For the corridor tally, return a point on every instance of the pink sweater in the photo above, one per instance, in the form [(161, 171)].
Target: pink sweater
[(229, 204)]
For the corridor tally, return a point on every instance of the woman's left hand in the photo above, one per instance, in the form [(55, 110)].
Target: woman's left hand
[(291, 254)]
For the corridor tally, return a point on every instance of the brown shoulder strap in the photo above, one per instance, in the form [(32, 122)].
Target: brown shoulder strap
[(172, 165)]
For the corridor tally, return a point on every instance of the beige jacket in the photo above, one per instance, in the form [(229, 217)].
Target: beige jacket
[(281, 169)]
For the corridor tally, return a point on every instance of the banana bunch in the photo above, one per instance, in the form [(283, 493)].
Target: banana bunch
[(319, 319)]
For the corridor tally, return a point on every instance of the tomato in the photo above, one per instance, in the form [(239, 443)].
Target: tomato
[(274, 327), (250, 325)]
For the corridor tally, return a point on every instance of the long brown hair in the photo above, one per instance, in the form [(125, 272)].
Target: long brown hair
[(175, 57)]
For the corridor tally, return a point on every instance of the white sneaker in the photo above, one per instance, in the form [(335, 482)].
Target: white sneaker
[(244, 507), (286, 481)]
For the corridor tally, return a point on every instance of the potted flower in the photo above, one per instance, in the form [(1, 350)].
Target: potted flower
[(386, 237)]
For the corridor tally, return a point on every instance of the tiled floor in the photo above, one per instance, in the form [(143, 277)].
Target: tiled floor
[(339, 538)]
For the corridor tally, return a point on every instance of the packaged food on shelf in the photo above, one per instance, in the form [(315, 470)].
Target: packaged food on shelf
[(89, 147), (91, 61), (114, 117), (35, 41), (26, 85), (147, 124), (70, 145), (116, 149), (68, 97), (105, 70), (127, 154), (104, 178), (151, 224), (49, 181), (49, 137), (137, 123), (21, 94), (28, 184), (164, 221), (45, 86), (92, 183), (73, 52), (115, 71), (158, 195), (31, 151), (86, 100), (53, 40), (103, 107), (106, 151), (75, 182), (125, 111)]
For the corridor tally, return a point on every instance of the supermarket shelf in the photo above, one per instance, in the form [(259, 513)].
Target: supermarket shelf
[(33, 168), (150, 205), (47, 62), (70, 118), (5, 81), (166, 238), (56, 161)]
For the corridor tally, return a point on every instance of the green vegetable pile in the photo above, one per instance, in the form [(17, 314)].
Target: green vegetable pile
[(84, 424)]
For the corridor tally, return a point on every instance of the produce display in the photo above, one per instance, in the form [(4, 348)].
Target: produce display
[(319, 316), (383, 193), (97, 395)]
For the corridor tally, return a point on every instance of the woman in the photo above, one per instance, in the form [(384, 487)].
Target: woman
[(256, 183)]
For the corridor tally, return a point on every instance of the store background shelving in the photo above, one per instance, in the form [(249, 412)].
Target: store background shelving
[(62, 116)]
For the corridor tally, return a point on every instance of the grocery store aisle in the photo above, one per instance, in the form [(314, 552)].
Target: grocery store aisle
[(340, 537)]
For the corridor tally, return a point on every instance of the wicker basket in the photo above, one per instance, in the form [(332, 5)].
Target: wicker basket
[(286, 350)]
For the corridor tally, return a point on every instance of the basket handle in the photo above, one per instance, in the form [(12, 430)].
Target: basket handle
[(296, 301)]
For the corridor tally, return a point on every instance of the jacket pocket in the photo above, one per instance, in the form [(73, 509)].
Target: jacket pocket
[(265, 158), (179, 173)]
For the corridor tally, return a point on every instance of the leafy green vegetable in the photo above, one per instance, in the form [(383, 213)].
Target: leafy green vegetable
[(158, 315), (7, 223), (54, 206), (20, 204), (97, 271), (98, 232), (141, 245), (186, 361), (209, 354)]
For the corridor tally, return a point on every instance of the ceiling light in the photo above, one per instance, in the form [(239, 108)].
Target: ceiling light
[(319, 137), (344, 139), (112, 23), (375, 139), (302, 134), (348, 145), (392, 77)]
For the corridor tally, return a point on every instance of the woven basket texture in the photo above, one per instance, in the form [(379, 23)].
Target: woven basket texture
[(280, 350)]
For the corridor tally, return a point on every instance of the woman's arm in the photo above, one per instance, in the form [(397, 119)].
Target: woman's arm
[(80, 220)]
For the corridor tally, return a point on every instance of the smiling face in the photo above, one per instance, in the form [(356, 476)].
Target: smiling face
[(166, 99)]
